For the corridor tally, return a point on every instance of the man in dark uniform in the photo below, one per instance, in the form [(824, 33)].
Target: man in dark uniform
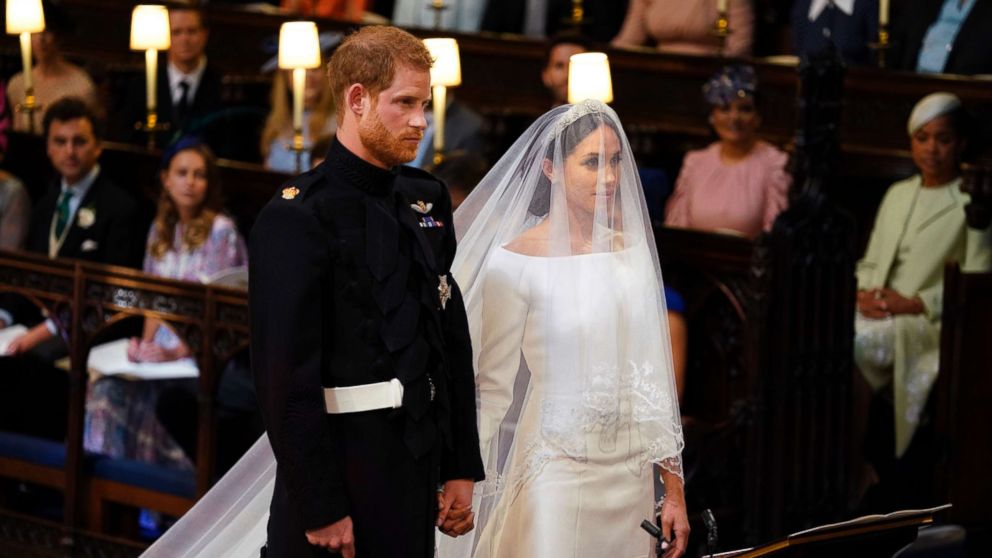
[(360, 344)]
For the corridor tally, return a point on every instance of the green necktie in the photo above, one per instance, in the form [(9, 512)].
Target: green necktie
[(62, 212)]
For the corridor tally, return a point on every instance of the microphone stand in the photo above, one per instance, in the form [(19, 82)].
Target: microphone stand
[(711, 533)]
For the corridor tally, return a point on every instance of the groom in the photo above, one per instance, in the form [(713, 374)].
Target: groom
[(360, 343)]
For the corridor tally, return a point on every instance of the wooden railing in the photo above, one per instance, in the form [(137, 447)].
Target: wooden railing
[(212, 320)]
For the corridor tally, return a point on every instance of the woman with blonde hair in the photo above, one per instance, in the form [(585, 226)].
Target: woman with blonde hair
[(318, 121)]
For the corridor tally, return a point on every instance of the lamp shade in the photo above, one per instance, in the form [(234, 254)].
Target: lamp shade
[(299, 45), (150, 28), (447, 68), (589, 78), (25, 16)]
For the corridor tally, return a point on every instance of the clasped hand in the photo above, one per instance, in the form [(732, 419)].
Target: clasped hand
[(882, 303), (454, 508), (142, 350)]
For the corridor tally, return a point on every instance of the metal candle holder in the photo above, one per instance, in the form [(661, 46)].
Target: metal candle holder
[(721, 30), (882, 45), (151, 126), (438, 6)]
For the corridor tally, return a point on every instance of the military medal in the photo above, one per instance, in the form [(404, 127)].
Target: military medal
[(443, 290)]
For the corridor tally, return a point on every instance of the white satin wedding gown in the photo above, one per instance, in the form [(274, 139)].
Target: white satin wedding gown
[(570, 493)]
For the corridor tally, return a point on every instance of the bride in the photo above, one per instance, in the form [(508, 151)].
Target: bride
[(576, 395)]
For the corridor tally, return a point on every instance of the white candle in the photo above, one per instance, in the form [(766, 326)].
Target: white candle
[(26, 60), (151, 73), (299, 82), (721, 6), (440, 103), (883, 12)]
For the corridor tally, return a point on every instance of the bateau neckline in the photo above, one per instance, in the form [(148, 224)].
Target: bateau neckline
[(610, 253)]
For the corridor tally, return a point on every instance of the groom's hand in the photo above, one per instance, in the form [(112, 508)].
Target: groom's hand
[(336, 537), (455, 516)]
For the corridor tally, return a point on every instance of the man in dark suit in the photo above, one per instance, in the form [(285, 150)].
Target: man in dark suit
[(188, 95), (360, 344), (946, 47), (83, 216)]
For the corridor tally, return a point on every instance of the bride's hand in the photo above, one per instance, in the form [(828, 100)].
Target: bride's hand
[(674, 521)]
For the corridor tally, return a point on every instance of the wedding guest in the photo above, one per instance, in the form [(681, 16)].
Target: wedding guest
[(920, 226), (943, 36), (54, 77), (83, 216), (739, 184), (685, 26), (848, 26), (192, 240), (318, 121), (188, 90), (554, 74)]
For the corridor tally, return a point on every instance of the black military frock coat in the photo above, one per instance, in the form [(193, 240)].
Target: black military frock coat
[(345, 267)]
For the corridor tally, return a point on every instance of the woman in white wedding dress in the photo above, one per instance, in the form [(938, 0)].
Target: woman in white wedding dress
[(577, 403), (577, 400)]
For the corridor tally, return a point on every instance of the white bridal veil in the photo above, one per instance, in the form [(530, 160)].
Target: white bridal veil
[(563, 289), (560, 275)]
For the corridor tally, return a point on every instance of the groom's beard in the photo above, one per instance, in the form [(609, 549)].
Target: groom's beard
[(384, 145)]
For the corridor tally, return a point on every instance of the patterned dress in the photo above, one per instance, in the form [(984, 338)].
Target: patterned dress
[(120, 413)]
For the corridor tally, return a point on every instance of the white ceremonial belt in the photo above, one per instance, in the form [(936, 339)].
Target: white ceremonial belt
[(368, 397)]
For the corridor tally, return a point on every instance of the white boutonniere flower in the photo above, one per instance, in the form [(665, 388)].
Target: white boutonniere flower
[(86, 217)]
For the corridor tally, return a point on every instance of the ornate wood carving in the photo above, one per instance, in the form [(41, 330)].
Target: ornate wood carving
[(214, 323)]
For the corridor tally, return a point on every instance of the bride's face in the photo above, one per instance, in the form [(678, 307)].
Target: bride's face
[(592, 170)]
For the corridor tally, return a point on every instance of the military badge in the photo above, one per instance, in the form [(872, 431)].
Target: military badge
[(290, 193), (421, 207)]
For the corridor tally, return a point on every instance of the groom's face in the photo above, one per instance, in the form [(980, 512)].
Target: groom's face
[(393, 127)]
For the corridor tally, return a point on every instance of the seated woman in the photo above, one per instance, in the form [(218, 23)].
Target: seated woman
[(318, 120), (685, 26), (738, 184), (919, 227), (189, 240), (54, 77)]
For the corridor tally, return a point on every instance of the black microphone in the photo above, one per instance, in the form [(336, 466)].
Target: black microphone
[(651, 528), (655, 532)]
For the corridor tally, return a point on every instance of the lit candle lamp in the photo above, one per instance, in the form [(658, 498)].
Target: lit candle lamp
[(589, 78), (150, 32), (299, 50), (23, 18), (445, 72)]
